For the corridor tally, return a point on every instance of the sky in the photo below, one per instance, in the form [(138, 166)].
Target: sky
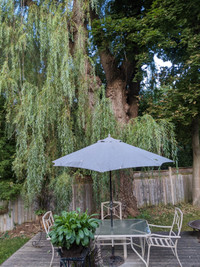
[(160, 63)]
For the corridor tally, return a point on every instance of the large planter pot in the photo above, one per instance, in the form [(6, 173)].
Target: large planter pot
[(74, 251), (76, 254)]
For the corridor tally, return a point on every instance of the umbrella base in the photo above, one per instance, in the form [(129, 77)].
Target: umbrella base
[(113, 261)]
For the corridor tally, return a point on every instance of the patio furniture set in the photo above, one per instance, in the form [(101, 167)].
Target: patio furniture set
[(105, 156), (124, 232)]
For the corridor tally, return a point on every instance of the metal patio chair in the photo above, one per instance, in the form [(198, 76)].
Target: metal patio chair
[(117, 213), (171, 239), (117, 209), (48, 222)]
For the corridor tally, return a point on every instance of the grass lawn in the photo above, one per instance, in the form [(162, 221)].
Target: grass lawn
[(163, 215), (9, 245)]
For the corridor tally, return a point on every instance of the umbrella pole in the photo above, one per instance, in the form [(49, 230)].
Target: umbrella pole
[(111, 211), (111, 201), (113, 259)]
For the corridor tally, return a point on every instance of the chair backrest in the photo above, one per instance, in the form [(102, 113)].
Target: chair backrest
[(117, 209), (48, 221), (177, 222)]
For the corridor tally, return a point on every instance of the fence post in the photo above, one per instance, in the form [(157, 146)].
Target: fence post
[(171, 181)]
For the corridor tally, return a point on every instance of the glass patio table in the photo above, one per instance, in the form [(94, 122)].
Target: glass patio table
[(124, 231)]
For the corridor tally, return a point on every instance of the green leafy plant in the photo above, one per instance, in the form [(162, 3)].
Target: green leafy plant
[(73, 227), (4, 208), (9, 190), (40, 212)]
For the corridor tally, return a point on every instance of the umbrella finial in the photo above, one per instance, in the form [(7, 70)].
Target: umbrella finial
[(108, 135)]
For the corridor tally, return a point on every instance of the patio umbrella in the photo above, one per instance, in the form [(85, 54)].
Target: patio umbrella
[(110, 154)]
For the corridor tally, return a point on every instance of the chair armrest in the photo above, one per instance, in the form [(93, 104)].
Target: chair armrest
[(164, 236), (159, 226)]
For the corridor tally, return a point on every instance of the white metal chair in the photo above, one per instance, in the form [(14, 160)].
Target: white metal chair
[(117, 213), (171, 239), (48, 222), (116, 208)]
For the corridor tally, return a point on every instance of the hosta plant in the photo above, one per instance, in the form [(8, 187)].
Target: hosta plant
[(73, 228)]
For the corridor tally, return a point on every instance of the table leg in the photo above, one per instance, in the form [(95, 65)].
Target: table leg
[(139, 255), (125, 251), (142, 244)]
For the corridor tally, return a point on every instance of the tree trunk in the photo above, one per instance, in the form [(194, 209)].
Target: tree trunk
[(120, 88), (117, 93), (122, 92), (129, 201), (132, 99), (196, 162)]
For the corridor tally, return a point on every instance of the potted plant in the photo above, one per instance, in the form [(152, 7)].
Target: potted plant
[(73, 231)]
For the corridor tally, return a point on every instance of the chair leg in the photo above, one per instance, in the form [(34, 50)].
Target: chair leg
[(52, 257), (176, 254), (142, 244), (148, 254)]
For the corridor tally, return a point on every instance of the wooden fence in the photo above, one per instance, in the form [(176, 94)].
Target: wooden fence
[(170, 186), (150, 188), (17, 213)]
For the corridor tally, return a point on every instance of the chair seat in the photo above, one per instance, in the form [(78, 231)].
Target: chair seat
[(160, 242)]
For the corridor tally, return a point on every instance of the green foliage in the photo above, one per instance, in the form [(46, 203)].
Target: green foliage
[(177, 26), (40, 212), (73, 227), (179, 43), (120, 30), (54, 107), (154, 135), (46, 87), (8, 246), (7, 146), (62, 189), (9, 190)]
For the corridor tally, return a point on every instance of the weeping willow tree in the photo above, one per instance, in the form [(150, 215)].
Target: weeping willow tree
[(55, 103)]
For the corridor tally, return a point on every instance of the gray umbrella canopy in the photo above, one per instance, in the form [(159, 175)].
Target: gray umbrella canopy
[(110, 154)]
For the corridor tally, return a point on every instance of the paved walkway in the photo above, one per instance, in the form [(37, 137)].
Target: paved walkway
[(188, 250)]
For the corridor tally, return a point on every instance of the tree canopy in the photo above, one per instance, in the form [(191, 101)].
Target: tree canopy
[(56, 102)]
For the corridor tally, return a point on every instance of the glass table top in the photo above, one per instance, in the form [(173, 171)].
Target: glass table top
[(129, 227)]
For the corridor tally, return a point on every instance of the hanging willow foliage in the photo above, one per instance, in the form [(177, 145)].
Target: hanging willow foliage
[(45, 79)]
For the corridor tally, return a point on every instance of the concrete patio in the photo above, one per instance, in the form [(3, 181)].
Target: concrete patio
[(188, 250)]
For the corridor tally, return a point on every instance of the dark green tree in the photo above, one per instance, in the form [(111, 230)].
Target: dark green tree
[(176, 25), (7, 147), (9, 188), (117, 34)]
